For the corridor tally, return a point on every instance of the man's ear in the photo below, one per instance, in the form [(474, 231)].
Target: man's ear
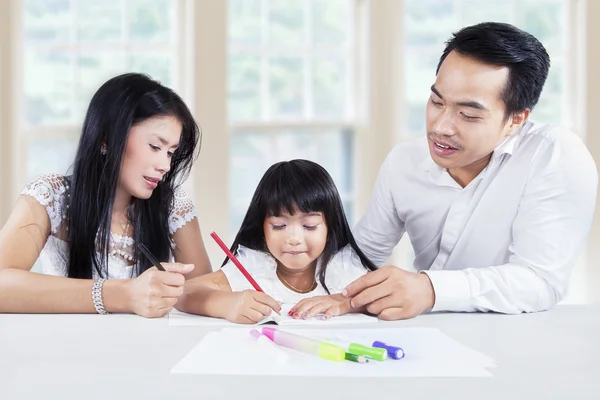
[(519, 118)]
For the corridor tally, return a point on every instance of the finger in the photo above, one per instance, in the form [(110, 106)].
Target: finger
[(178, 267), (366, 281), (264, 309), (246, 320), (395, 313), (168, 302), (298, 306), (171, 278), (318, 308), (163, 311), (302, 309), (253, 315), (268, 300), (171, 291), (391, 301), (371, 294), (332, 311)]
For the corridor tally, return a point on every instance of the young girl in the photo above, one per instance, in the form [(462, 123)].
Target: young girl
[(138, 141), (297, 245)]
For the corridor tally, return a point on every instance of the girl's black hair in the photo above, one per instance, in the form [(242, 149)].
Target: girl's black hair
[(298, 185)]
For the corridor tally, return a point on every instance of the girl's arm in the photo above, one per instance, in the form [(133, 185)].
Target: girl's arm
[(206, 295)]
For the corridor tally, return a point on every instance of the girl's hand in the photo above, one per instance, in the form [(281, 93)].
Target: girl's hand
[(331, 306), (249, 307)]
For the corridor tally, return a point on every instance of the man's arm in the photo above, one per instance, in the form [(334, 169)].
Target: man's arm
[(380, 229), (549, 232)]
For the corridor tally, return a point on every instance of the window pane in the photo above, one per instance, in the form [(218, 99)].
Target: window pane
[(50, 155), (428, 22), (252, 153), (245, 22), (244, 87), (330, 94), (48, 88), (286, 87), (152, 20), (95, 69), (330, 22), (158, 65), (286, 22), (47, 20), (475, 11), (99, 21)]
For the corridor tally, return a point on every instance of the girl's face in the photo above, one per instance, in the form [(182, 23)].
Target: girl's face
[(297, 240), (148, 153)]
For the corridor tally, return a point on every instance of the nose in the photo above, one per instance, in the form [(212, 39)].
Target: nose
[(163, 164), (293, 238), (444, 124)]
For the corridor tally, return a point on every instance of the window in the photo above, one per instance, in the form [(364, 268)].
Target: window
[(71, 47), (429, 23), (291, 91)]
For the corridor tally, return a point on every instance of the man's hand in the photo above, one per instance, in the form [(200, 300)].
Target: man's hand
[(392, 293)]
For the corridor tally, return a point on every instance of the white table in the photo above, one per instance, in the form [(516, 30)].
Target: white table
[(549, 355)]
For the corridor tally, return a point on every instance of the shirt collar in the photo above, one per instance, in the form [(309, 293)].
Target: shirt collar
[(441, 177)]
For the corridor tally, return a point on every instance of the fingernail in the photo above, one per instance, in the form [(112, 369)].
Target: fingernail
[(344, 292), (324, 317), (304, 316), (352, 304), (296, 315), (290, 313)]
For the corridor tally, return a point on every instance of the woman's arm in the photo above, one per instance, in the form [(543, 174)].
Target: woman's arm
[(21, 291), (189, 249)]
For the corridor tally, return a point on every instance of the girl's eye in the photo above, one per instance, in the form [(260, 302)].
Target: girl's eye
[(278, 227), (170, 154), (310, 227), (154, 148)]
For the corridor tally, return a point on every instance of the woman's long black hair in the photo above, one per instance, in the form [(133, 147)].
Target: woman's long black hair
[(119, 104), (305, 186)]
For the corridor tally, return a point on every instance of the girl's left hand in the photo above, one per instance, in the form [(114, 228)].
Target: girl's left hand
[(330, 306)]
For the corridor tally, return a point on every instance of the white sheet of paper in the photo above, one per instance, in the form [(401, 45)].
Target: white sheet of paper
[(178, 318), (429, 353)]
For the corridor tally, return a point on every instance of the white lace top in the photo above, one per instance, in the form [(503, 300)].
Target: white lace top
[(50, 190), (344, 268)]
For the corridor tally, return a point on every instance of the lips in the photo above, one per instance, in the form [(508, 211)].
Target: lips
[(444, 145), (294, 253), (152, 180)]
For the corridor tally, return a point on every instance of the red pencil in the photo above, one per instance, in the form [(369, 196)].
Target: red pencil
[(236, 262)]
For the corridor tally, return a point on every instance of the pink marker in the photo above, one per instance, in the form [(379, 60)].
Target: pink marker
[(306, 345)]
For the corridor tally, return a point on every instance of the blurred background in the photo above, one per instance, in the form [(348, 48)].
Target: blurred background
[(339, 82)]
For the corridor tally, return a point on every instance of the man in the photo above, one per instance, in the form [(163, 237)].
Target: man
[(497, 208)]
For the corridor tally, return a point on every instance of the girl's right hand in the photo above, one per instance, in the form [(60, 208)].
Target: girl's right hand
[(250, 307), (154, 293)]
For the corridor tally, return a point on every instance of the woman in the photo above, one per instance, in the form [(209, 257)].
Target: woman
[(138, 143)]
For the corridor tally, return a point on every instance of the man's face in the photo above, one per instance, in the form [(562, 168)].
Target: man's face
[(465, 113)]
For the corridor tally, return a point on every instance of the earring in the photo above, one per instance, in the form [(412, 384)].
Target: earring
[(103, 149)]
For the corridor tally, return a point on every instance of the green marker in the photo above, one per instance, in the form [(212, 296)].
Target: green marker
[(355, 358), (374, 353)]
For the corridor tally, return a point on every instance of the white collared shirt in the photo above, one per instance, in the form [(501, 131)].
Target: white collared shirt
[(508, 241)]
